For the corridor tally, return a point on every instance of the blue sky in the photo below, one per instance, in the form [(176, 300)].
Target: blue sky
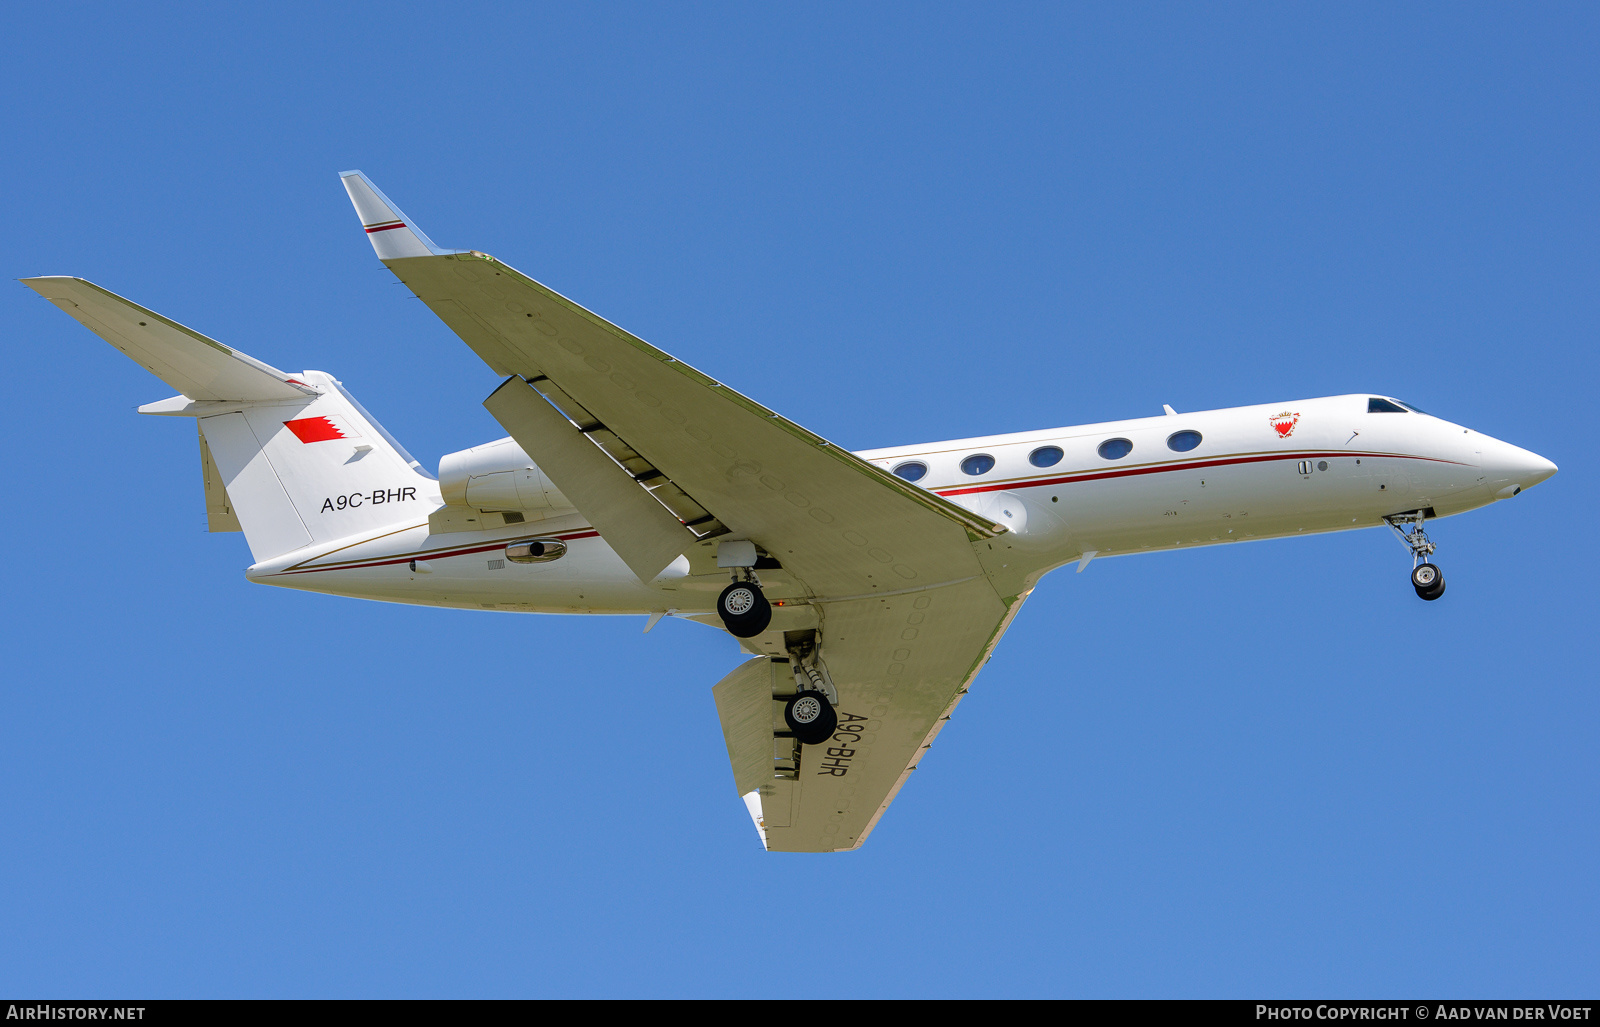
[(1263, 770)]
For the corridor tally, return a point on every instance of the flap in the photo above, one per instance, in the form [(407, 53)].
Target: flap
[(634, 525), (744, 705)]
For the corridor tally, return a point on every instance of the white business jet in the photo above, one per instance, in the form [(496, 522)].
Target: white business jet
[(868, 588)]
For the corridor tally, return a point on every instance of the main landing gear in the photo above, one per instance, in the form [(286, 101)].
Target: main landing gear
[(745, 612), (810, 711), (1426, 577)]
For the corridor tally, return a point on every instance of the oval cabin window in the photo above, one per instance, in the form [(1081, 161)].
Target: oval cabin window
[(1115, 449), (912, 470), (978, 463), (1045, 456), (1183, 441)]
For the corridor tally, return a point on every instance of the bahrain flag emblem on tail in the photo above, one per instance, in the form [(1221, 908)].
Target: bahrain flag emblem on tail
[(321, 429)]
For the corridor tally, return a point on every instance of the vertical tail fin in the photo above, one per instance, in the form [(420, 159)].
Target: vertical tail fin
[(301, 474)]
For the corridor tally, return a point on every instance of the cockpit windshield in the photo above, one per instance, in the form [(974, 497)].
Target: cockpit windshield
[(1412, 407), (1383, 406)]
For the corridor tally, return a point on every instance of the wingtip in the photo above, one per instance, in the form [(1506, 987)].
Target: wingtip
[(393, 235), (41, 283)]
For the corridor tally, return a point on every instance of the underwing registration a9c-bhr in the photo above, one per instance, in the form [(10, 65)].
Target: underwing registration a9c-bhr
[(868, 588)]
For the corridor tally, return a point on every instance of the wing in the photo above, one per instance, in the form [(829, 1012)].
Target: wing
[(899, 666), (839, 523), (898, 593)]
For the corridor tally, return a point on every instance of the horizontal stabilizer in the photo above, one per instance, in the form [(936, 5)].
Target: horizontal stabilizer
[(200, 368), (393, 234)]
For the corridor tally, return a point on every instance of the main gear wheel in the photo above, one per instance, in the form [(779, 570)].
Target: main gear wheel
[(745, 612), (811, 717)]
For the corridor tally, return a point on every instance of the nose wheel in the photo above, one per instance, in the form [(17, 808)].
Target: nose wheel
[(1428, 581), (745, 612), (1426, 577)]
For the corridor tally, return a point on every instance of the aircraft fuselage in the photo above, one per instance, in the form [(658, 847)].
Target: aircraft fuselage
[(1116, 488)]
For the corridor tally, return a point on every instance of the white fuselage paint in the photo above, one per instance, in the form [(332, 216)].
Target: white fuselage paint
[(1339, 468)]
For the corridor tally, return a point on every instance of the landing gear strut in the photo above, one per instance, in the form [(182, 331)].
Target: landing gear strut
[(1426, 577), (810, 712), (745, 612)]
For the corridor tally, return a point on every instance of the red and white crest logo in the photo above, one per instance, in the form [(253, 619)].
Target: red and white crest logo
[(1284, 423), (321, 429)]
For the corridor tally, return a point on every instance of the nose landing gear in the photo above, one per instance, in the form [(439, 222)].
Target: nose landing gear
[(1426, 577)]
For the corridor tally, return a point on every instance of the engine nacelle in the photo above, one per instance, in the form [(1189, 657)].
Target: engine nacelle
[(497, 476)]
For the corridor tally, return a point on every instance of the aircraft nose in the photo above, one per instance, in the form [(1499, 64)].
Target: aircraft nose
[(1515, 469), (1538, 469)]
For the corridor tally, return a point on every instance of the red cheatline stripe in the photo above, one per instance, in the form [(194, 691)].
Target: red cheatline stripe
[(434, 554), (1028, 483), (1025, 483), (385, 228)]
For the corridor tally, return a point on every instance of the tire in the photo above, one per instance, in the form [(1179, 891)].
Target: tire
[(811, 717), (745, 612), (1428, 580), (1424, 576)]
